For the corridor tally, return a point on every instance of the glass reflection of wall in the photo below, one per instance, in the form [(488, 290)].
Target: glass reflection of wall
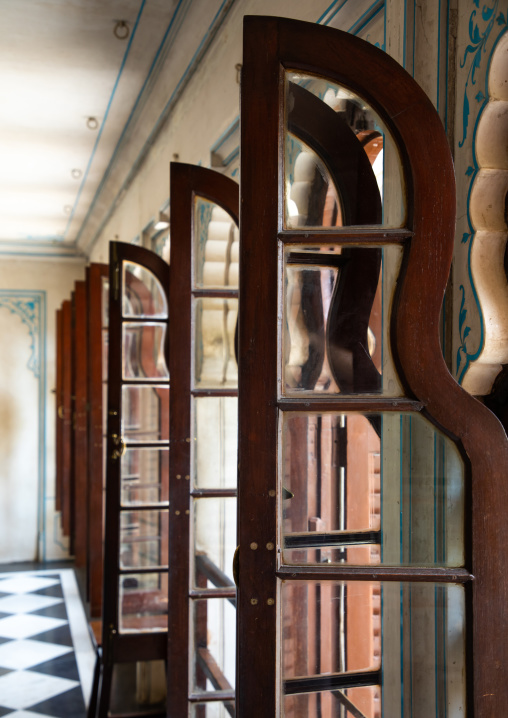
[(360, 489)]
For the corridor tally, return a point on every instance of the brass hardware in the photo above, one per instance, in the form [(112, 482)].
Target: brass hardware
[(271, 493), (178, 476), (187, 512), (60, 412), (120, 443), (177, 513), (270, 601), (270, 546), (254, 601), (236, 566), (253, 545)]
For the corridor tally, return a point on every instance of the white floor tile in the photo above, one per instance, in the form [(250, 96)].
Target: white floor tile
[(26, 602), (25, 584), (26, 625), (21, 689), (27, 714), (25, 654)]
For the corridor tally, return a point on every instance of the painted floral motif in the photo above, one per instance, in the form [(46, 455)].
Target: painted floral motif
[(474, 53), (28, 310)]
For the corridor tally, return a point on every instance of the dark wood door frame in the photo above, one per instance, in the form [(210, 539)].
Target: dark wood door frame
[(428, 241)]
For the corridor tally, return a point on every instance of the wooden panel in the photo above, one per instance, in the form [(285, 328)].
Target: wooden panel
[(80, 451), (67, 410), (96, 275)]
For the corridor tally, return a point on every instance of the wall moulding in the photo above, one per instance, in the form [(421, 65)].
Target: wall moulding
[(489, 226)]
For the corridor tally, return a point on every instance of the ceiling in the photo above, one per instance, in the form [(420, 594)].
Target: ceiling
[(85, 85)]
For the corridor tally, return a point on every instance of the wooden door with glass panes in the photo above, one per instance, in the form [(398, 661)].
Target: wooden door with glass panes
[(97, 284), (203, 475), (362, 464), (79, 425), (136, 538)]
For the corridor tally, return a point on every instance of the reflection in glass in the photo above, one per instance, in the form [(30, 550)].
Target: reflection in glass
[(105, 302), (143, 603), (368, 489), (143, 351), (216, 246), (143, 539), (215, 360), (335, 337), (342, 179), (215, 446), (214, 541), (372, 649), (145, 413), (143, 293), (144, 476), (214, 644)]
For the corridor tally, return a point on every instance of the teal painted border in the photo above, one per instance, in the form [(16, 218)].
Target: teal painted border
[(191, 68), (477, 49), (30, 307)]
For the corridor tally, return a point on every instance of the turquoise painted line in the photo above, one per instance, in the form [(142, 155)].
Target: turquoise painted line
[(436, 656), (341, 5), (229, 132), (42, 418), (410, 527), (401, 490), (446, 69), (435, 497), (44, 255), (185, 78), (404, 43), (367, 17), (438, 70), (402, 687), (232, 156), (414, 38), (108, 108), (132, 113)]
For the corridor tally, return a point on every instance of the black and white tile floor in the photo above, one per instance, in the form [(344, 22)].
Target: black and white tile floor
[(46, 656)]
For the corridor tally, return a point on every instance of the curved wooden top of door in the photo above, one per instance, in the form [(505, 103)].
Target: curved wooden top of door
[(186, 183), (430, 189)]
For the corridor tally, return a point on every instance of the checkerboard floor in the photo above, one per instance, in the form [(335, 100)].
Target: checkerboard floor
[(46, 657)]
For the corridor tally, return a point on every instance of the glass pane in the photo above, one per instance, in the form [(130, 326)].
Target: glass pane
[(214, 542), (347, 171), (144, 476), (215, 446), (105, 302), (143, 539), (336, 304), (143, 351), (215, 359), (145, 413), (105, 351), (368, 489), (143, 293), (391, 649), (214, 709), (215, 246), (143, 602), (214, 645)]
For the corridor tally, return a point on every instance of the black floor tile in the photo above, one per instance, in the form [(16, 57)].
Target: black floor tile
[(5, 711), (60, 635), (3, 594), (67, 705), (57, 611), (4, 640), (4, 615), (62, 667), (55, 591), (4, 671)]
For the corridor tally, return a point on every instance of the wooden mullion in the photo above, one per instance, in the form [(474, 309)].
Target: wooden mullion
[(345, 235), (338, 405), (342, 572)]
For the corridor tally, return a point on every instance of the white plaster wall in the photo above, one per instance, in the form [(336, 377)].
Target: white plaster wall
[(205, 110), (19, 428)]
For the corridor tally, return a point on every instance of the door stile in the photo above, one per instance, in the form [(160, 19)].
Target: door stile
[(185, 647)]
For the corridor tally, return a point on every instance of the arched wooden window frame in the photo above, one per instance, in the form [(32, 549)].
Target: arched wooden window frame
[(188, 182), (271, 46)]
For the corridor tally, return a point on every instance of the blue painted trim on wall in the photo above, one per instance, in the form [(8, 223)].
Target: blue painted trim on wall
[(30, 307), (205, 43), (108, 108)]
